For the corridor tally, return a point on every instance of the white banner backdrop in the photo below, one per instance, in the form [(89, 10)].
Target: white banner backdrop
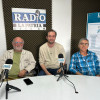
[(93, 32)]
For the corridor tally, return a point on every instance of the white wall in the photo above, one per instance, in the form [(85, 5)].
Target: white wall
[(61, 22), (2, 31)]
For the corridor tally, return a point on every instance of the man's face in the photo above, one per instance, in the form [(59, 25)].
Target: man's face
[(83, 46), (18, 44), (51, 37)]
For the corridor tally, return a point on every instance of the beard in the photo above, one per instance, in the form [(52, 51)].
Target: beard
[(50, 42), (18, 48)]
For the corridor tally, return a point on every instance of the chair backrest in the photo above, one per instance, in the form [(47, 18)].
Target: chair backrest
[(65, 69), (37, 68)]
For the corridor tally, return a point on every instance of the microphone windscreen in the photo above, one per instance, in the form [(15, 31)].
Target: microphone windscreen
[(9, 61), (60, 56)]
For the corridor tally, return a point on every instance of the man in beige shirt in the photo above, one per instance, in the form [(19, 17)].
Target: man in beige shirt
[(23, 60), (48, 55)]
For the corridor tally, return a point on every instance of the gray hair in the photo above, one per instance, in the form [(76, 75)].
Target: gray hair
[(82, 40), (18, 37)]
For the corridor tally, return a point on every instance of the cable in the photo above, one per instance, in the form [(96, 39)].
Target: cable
[(72, 84)]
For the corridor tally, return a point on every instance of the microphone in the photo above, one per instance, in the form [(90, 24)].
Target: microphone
[(37, 13), (61, 59), (7, 66), (9, 61)]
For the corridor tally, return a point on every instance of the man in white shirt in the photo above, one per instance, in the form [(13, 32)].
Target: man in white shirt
[(23, 60)]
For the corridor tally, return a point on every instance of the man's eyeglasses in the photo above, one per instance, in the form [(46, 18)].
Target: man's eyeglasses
[(86, 44), (19, 42)]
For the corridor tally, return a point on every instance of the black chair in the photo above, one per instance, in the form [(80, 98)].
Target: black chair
[(66, 71), (37, 69)]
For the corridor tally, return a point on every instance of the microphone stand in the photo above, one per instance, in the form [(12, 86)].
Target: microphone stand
[(62, 72), (9, 87), (65, 75)]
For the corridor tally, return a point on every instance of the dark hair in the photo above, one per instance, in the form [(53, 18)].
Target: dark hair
[(51, 31)]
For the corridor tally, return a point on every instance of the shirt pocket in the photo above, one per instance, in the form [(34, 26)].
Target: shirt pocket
[(90, 62), (91, 65), (83, 67)]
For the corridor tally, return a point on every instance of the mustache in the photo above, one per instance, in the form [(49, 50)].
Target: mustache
[(18, 47)]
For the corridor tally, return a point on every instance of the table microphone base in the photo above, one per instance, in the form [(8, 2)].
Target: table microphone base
[(9, 87), (61, 75)]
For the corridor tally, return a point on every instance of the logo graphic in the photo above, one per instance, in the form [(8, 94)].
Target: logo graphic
[(28, 19)]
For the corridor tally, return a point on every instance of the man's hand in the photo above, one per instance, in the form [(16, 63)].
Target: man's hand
[(78, 73), (59, 70), (98, 75), (22, 73), (45, 69), (47, 73)]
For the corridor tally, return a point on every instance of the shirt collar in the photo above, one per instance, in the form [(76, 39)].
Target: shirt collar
[(88, 53)]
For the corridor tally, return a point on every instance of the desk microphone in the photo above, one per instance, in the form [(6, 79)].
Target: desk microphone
[(7, 66), (61, 59)]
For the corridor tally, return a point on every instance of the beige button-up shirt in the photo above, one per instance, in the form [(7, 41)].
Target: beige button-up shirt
[(49, 56)]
